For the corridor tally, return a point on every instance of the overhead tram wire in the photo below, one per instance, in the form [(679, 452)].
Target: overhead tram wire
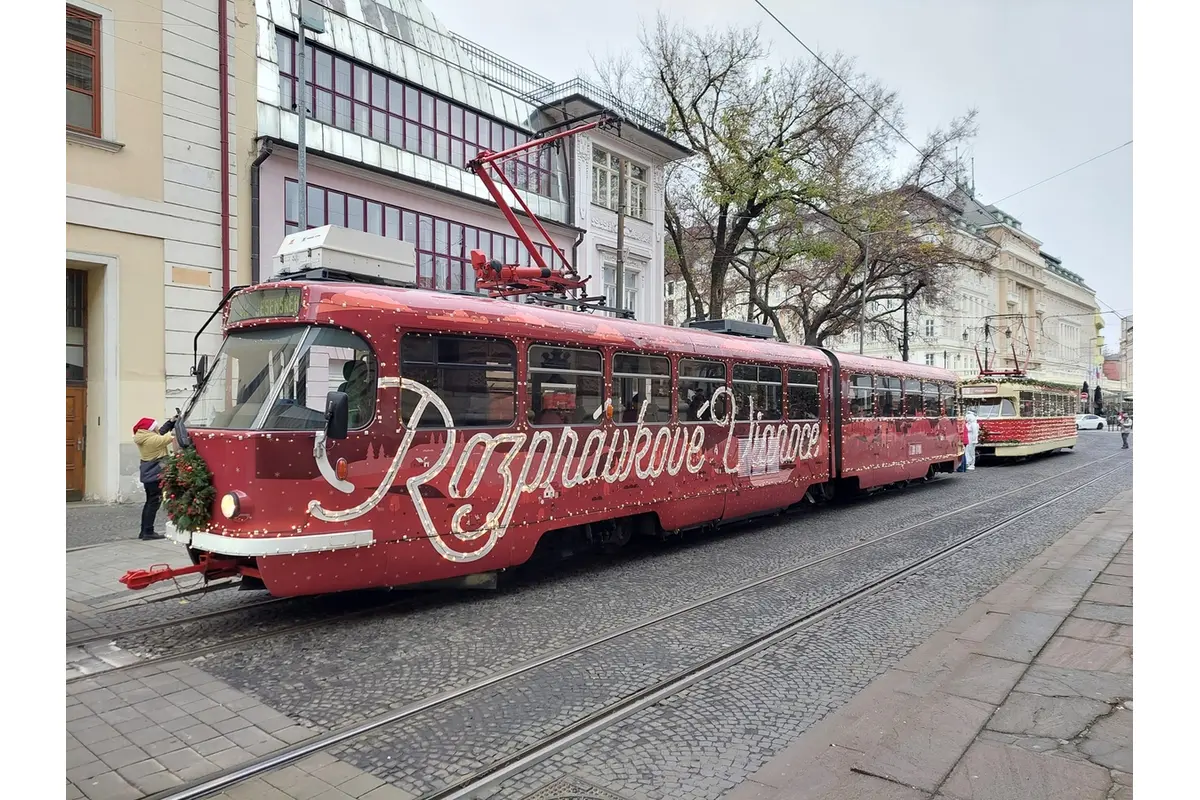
[(1064, 172), (918, 150), (886, 121)]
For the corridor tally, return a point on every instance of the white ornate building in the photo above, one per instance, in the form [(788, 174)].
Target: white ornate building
[(1028, 303)]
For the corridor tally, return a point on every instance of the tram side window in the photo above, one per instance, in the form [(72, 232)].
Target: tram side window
[(950, 401), (887, 397), (932, 403), (913, 406), (565, 385), (1027, 404), (638, 379), (697, 382), (861, 402), (764, 385), (803, 399), (475, 378)]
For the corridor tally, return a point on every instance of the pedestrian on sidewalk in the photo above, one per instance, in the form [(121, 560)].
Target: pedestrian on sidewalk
[(1126, 422), (972, 438), (153, 443)]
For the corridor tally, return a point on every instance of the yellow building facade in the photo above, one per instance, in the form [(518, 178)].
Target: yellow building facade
[(144, 223)]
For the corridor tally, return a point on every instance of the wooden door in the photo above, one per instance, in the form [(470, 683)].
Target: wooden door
[(76, 426)]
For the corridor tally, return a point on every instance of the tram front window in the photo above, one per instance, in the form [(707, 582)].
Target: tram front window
[(277, 379), (992, 407)]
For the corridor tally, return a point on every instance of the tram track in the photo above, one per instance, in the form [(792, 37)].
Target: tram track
[(157, 626), (413, 600), (510, 766), (611, 713), (417, 600)]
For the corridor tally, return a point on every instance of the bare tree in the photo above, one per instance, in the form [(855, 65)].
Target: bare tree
[(761, 135), (829, 270)]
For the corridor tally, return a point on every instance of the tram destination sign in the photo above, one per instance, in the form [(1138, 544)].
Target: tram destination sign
[(264, 303), (976, 391)]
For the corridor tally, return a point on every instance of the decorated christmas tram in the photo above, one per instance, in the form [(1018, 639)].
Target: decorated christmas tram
[(1020, 417), (355, 431), (362, 436)]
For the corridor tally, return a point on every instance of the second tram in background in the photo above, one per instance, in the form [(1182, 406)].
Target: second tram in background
[(1019, 417)]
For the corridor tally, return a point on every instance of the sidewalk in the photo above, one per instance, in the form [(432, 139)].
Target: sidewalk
[(94, 587), (1029, 694)]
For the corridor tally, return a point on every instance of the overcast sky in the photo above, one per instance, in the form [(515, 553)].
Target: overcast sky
[(1052, 80)]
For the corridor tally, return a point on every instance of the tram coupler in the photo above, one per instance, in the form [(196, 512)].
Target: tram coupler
[(211, 568)]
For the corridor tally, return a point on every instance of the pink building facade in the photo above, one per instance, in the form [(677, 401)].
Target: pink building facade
[(398, 106)]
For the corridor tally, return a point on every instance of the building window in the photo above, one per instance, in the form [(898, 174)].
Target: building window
[(350, 96), (83, 71), (76, 325), (633, 281), (606, 183), (443, 246), (929, 359), (929, 327)]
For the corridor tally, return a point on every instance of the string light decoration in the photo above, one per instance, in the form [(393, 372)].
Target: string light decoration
[(188, 491)]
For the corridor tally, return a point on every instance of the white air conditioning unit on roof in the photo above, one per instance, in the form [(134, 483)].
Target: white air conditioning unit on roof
[(344, 252)]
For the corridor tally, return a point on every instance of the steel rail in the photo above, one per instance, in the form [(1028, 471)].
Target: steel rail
[(324, 741), (220, 612), (187, 655)]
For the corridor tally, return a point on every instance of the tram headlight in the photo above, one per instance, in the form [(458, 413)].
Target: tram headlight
[(235, 504)]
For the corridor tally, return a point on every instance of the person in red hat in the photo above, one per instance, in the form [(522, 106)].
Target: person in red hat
[(153, 443)]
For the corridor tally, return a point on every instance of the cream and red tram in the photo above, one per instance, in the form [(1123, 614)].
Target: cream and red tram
[(1020, 417)]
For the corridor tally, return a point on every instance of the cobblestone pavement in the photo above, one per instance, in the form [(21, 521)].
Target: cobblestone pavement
[(401, 656), (702, 742), (96, 523)]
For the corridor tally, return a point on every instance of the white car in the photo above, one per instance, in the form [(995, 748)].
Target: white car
[(1090, 422)]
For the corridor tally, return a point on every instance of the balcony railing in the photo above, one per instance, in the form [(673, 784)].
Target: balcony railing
[(540, 91), (549, 94), (501, 71)]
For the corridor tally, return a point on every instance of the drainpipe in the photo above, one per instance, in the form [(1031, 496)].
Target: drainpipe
[(264, 153), (223, 110)]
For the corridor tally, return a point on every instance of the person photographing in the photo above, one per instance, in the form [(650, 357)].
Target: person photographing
[(154, 444)]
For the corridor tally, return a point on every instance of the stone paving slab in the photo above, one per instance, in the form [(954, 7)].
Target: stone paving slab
[(1028, 694), (141, 731), (93, 573)]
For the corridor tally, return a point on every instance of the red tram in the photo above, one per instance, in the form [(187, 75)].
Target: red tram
[(473, 427), (364, 435)]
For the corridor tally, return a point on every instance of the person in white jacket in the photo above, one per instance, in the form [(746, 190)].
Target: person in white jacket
[(972, 438)]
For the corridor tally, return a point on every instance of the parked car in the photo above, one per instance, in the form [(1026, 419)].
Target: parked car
[(1089, 422)]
